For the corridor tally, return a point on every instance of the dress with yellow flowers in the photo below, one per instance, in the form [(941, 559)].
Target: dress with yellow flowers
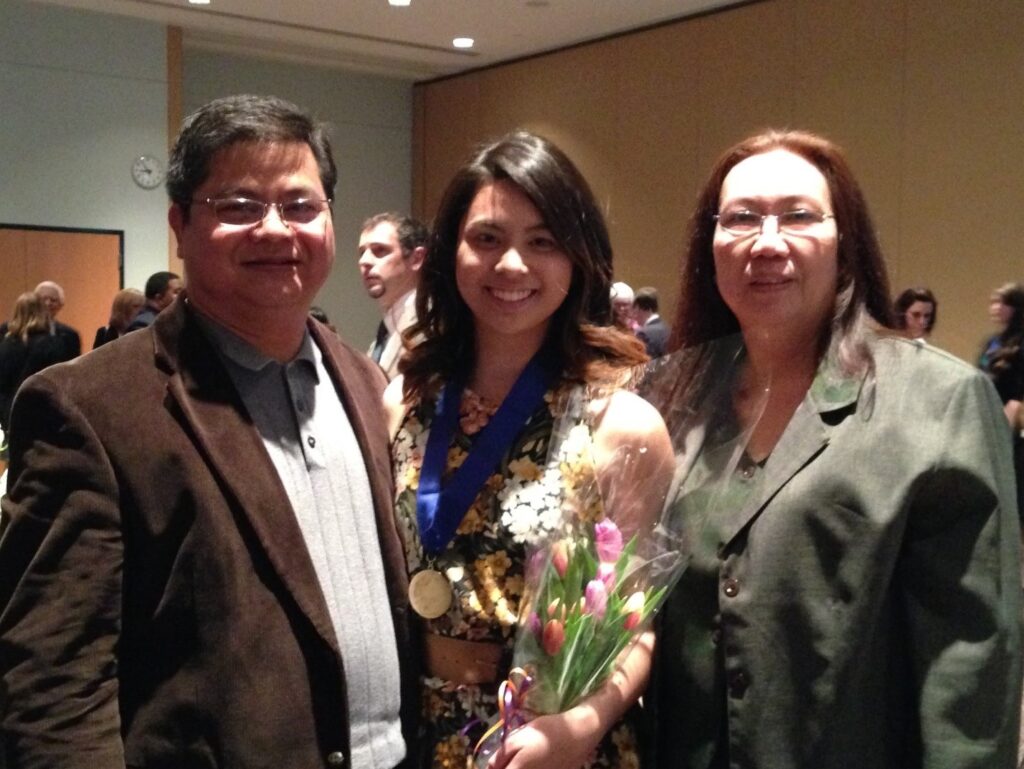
[(485, 562)]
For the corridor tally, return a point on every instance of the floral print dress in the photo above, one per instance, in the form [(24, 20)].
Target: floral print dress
[(485, 561)]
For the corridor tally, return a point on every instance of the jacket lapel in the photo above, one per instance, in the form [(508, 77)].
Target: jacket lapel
[(806, 437), (394, 348), (389, 356), (227, 438)]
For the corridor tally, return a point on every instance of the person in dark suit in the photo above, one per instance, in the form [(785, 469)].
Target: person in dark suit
[(204, 571), (52, 297), (391, 251), (854, 601), (652, 330), (162, 288)]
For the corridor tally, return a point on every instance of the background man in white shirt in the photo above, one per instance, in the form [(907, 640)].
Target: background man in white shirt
[(391, 251)]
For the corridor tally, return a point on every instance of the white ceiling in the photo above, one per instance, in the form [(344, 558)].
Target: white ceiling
[(412, 43)]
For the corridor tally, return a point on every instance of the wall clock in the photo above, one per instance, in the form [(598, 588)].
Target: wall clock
[(147, 172)]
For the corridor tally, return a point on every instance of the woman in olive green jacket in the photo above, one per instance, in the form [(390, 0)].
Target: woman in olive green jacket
[(857, 602)]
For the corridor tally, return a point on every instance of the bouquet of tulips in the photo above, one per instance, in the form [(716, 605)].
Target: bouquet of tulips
[(591, 596), (595, 582)]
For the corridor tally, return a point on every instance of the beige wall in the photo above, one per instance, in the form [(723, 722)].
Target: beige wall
[(927, 97)]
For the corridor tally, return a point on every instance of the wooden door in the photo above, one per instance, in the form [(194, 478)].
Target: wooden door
[(87, 264)]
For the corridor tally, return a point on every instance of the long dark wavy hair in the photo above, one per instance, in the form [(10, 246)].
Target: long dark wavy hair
[(1011, 338), (580, 336), (863, 285)]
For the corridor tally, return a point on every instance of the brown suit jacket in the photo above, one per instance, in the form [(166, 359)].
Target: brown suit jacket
[(158, 607)]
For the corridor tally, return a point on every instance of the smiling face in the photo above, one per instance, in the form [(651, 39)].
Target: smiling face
[(247, 277), (775, 282), (918, 318), (509, 270)]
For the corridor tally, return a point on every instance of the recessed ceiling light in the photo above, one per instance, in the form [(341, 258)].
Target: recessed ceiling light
[(463, 42), (199, 2), (399, 3)]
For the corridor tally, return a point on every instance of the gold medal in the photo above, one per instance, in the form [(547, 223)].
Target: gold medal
[(430, 593)]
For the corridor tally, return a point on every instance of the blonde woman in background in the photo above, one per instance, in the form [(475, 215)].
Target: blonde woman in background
[(27, 347)]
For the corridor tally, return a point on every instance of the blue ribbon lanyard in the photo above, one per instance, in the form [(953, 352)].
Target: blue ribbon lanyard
[(439, 512)]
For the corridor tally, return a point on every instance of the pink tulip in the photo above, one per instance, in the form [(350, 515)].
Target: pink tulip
[(560, 557), (607, 540), (634, 609), (533, 624), (596, 598), (554, 637), (535, 566), (606, 573)]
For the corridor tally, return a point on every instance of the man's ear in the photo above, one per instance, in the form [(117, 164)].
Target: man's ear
[(176, 219), (416, 258)]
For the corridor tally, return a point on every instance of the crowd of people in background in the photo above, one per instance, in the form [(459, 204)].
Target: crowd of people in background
[(272, 549)]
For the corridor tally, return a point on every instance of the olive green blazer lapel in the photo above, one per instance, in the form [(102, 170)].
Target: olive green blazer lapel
[(805, 438)]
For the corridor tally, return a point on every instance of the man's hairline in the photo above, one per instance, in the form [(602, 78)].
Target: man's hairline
[(187, 205), (406, 255)]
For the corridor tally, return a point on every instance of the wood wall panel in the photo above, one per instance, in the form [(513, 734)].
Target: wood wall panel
[(175, 115), (14, 268), (449, 127), (927, 98), (962, 184), (746, 70), (655, 165), (848, 85)]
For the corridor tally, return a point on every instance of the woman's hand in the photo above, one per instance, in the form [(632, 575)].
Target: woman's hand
[(567, 740), (563, 741)]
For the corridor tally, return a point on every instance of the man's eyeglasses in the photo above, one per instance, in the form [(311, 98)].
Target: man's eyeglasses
[(246, 212), (744, 223)]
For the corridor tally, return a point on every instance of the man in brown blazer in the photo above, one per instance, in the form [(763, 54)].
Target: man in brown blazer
[(199, 566)]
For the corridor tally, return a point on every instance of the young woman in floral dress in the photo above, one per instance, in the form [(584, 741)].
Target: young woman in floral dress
[(514, 315)]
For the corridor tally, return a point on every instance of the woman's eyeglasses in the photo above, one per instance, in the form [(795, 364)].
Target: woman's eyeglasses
[(743, 222)]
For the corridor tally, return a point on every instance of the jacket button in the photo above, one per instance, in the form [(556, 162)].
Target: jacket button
[(731, 587), (336, 758), (738, 683)]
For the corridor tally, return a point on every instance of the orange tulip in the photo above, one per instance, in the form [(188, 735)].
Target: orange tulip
[(554, 636), (560, 557)]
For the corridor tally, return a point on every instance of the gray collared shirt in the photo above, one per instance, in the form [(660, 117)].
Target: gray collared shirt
[(310, 440)]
